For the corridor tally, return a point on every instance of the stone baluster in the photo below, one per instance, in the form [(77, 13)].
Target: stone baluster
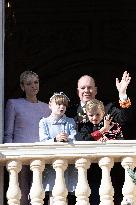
[(83, 190), (37, 193), (106, 190), (14, 192), (129, 188), (59, 191)]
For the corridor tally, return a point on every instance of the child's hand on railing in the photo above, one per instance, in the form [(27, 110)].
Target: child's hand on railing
[(62, 137)]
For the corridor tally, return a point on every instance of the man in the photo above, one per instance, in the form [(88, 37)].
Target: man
[(87, 89), (120, 111)]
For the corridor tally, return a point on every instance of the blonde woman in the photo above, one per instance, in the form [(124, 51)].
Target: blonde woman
[(22, 117)]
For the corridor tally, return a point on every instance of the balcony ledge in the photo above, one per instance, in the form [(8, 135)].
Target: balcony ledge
[(71, 151)]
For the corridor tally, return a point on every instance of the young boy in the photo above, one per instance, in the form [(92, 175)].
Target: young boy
[(99, 127)]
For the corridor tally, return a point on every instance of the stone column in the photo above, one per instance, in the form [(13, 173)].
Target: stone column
[(106, 189), (59, 191), (37, 193), (129, 188), (83, 190), (13, 193)]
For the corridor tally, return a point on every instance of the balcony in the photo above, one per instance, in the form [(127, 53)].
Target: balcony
[(82, 155)]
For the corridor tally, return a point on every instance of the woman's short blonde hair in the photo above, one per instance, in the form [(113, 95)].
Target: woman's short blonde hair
[(95, 104), (27, 74)]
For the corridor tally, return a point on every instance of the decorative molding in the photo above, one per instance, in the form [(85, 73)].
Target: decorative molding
[(48, 150)]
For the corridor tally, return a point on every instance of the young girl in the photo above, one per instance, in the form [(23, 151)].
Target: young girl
[(58, 128), (99, 127)]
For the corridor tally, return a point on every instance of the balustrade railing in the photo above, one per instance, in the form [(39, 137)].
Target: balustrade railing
[(82, 155)]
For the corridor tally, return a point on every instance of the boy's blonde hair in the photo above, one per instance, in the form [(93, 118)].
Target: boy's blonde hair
[(95, 104), (60, 98), (27, 74)]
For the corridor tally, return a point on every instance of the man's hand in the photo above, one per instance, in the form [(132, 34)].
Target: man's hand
[(123, 84)]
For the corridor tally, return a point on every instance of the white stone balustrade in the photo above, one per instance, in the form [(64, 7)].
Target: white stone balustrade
[(129, 188), (13, 193), (106, 190), (59, 190), (37, 193), (82, 154), (83, 190)]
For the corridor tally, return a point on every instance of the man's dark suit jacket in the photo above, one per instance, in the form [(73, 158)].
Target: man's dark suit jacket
[(126, 117), (87, 132)]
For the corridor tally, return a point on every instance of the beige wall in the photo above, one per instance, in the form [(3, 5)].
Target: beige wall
[(1, 67), (1, 88)]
